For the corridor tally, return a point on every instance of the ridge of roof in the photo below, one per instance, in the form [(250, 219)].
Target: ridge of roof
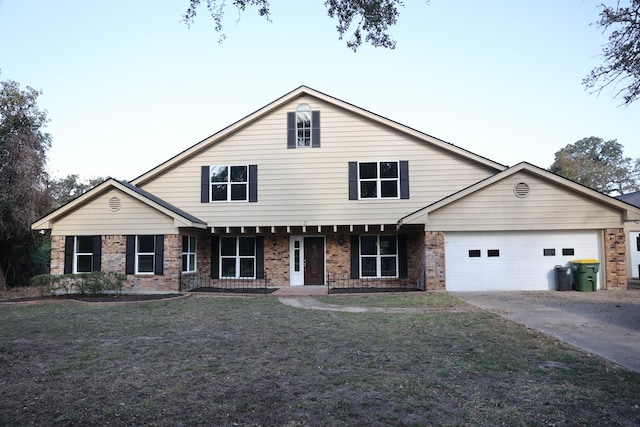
[(305, 90)]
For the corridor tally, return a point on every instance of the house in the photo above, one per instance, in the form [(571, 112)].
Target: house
[(632, 230), (312, 190)]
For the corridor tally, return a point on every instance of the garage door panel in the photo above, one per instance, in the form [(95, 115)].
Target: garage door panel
[(521, 264)]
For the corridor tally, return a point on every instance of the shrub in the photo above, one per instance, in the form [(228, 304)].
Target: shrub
[(94, 283)]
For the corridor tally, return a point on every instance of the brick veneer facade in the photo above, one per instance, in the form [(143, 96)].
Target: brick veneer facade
[(433, 260), (615, 258)]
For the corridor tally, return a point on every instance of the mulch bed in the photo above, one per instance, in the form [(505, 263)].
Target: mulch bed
[(368, 290), (251, 291), (96, 298)]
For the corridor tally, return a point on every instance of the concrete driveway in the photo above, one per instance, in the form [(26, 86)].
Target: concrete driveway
[(606, 323)]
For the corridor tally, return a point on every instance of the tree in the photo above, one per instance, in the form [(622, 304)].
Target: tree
[(65, 189), (23, 191), (372, 17), (621, 54), (598, 164)]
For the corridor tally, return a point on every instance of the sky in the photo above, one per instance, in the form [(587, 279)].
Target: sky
[(128, 85)]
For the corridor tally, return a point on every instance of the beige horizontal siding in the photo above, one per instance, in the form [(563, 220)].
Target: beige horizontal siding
[(134, 217), (310, 185), (547, 207)]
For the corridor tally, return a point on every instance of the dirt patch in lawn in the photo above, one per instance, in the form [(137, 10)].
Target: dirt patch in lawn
[(106, 298), (256, 362)]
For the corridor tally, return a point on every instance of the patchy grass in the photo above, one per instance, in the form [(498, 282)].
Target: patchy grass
[(21, 292), (253, 361)]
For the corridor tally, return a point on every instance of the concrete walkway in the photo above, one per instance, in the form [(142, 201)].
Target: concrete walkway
[(606, 323)]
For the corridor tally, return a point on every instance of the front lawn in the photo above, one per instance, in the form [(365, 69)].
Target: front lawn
[(230, 361)]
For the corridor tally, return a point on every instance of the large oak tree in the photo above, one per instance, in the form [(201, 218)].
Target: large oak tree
[(598, 164)]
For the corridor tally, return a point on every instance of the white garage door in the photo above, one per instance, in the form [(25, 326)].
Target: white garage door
[(522, 261)]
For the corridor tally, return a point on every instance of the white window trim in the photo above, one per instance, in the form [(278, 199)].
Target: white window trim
[(378, 257), (304, 109), (153, 254), (228, 183), (76, 254), (237, 258), (194, 267), (378, 180)]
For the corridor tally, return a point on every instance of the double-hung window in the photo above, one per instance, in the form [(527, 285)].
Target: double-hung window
[(145, 254), (378, 256), (82, 254), (229, 183), (303, 127), (189, 245), (238, 257)]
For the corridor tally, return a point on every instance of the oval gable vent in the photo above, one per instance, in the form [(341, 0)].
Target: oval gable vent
[(521, 190), (114, 204)]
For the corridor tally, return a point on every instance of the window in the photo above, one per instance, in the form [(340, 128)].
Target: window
[(82, 254), (238, 257), (568, 252), (189, 245), (474, 253), (549, 252), (379, 180), (303, 127), (145, 254), (493, 253), (229, 183), (378, 256)]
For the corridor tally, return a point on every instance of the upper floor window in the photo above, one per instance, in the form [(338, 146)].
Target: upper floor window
[(303, 127), (229, 183), (379, 180), (220, 183), (189, 244)]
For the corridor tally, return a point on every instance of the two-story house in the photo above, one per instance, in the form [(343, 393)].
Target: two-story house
[(310, 190)]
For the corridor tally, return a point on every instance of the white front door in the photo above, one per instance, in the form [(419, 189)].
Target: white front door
[(296, 267)]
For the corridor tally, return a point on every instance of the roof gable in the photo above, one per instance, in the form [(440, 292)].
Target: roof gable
[(180, 217), (306, 91), (630, 213)]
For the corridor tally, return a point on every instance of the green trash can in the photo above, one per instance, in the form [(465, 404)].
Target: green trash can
[(585, 274)]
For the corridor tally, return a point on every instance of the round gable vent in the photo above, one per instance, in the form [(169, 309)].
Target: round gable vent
[(114, 204), (521, 190)]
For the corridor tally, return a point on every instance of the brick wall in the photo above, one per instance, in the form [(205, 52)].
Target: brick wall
[(57, 255), (615, 258), (433, 260), (276, 260)]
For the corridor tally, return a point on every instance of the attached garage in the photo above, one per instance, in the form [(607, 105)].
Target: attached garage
[(515, 261)]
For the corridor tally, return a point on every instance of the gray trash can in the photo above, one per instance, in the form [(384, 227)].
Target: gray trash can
[(563, 278)]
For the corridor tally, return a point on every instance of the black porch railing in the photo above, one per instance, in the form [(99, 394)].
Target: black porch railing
[(344, 284), (197, 282)]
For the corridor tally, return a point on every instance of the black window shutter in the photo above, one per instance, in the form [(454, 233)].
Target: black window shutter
[(205, 185), (97, 253), (403, 271), (253, 183), (69, 243), (215, 250), (158, 268), (355, 257), (259, 257), (638, 243), (353, 180), (130, 259), (315, 128), (291, 130), (404, 179)]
